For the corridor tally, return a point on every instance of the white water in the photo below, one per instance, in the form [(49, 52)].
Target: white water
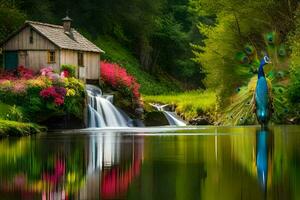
[(101, 112), (172, 117)]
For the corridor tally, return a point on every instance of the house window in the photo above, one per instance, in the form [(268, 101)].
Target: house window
[(51, 56), (80, 59), (31, 36)]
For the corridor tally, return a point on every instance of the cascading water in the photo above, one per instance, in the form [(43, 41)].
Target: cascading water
[(172, 117), (101, 111)]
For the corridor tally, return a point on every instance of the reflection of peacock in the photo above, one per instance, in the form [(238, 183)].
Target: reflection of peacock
[(263, 92)]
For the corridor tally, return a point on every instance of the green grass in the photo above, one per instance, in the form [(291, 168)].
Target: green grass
[(12, 128), (150, 85), (189, 104)]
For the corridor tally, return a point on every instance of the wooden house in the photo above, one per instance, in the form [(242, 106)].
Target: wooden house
[(36, 45)]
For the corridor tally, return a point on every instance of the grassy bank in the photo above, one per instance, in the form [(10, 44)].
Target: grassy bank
[(12, 128), (189, 105), (150, 85)]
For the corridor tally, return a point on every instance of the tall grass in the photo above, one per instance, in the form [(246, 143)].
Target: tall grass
[(189, 104)]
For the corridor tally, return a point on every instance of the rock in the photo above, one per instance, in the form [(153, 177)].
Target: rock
[(202, 120), (155, 118)]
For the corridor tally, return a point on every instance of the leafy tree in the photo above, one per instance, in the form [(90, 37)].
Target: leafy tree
[(236, 25), (11, 18)]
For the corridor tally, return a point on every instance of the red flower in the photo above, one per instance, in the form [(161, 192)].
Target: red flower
[(57, 94), (59, 101)]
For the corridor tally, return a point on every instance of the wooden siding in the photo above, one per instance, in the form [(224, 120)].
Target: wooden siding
[(91, 63), (21, 41), (38, 59)]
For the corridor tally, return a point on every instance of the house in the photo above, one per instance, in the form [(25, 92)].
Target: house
[(37, 45)]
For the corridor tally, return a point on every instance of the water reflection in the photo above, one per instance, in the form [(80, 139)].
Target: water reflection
[(218, 163), (264, 158)]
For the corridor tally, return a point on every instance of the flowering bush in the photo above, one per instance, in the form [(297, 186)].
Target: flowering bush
[(24, 73), (69, 69), (57, 94), (116, 76), (44, 94), (20, 73)]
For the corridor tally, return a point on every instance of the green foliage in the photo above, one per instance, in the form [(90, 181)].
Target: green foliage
[(15, 114), (30, 105), (115, 52), (69, 68), (12, 128), (189, 105), (74, 101), (234, 27), (11, 18)]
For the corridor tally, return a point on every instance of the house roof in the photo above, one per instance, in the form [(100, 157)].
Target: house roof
[(57, 35)]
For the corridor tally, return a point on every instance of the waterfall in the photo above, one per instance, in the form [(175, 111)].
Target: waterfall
[(101, 111), (172, 117)]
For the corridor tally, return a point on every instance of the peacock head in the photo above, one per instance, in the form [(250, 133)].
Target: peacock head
[(266, 60)]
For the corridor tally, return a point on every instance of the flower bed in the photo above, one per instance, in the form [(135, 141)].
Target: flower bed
[(44, 94)]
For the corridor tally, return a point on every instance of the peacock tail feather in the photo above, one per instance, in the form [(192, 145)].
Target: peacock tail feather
[(241, 109)]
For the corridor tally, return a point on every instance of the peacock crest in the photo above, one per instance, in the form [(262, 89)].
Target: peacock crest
[(242, 102)]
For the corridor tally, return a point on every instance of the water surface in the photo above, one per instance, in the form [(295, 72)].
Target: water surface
[(153, 163)]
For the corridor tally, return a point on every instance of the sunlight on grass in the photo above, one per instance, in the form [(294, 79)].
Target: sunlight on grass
[(189, 104)]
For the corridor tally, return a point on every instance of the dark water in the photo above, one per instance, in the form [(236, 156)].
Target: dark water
[(208, 163)]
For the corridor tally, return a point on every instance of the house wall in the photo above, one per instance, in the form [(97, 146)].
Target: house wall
[(21, 41), (39, 59), (91, 60)]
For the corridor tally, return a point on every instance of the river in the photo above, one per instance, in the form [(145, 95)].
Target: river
[(153, 163)]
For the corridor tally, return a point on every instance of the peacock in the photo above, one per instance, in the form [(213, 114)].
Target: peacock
[(260, 97)]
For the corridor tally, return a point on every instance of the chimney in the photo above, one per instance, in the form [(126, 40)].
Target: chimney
[(67, 24)]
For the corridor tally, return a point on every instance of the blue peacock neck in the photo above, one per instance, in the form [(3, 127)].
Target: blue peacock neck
[(261, 72)]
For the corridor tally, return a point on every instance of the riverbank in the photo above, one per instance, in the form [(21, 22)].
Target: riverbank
[(192, 106), (18, 129)]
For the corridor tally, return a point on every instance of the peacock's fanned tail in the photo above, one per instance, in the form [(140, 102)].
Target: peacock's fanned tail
[(242, 108)]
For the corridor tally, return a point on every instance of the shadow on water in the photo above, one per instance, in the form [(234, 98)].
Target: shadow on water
[(167, 163)]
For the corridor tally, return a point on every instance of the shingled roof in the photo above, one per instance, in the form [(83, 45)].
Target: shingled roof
[(57, 35)]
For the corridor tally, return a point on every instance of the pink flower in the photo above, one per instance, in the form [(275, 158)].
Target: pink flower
[(64, 74), (46, 71), (118, 77), (19, 87)]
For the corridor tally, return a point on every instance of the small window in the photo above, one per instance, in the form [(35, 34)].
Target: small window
[(80, 59), (51, 56), (31, 36)]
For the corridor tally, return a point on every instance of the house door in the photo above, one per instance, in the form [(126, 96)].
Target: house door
[(11, 60)]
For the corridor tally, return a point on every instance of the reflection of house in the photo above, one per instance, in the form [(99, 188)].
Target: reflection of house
[(36, 45)]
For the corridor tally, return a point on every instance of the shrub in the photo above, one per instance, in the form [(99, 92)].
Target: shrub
[(118, 78), (43, 95), (71, 69), (56, 94)]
